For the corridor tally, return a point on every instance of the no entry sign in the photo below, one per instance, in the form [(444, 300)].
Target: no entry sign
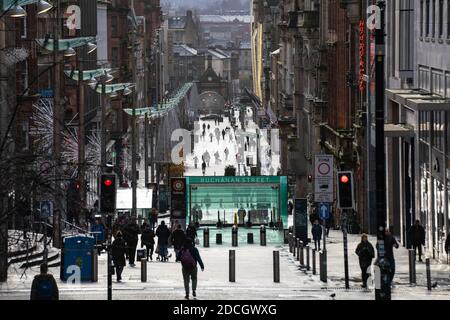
[(323, 178)]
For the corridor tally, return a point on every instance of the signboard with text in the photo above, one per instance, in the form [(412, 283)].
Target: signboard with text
[(323, 178)]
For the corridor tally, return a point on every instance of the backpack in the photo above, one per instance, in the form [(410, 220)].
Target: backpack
[(187, 260), (45, 289)]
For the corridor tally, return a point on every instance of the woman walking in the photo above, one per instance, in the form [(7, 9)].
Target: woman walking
[(366, 253), (189, 257)]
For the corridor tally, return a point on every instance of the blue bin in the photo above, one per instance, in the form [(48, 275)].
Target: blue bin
[(77, 251)]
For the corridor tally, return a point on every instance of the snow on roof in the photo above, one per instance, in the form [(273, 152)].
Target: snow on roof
[(184, 50), (217, 53), (224, 19)]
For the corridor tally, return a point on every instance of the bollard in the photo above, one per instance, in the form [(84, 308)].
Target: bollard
[(286, 236), (291, 244), (427, 262), (307, 257), (218, 238), (250, 238), (94, 265), (262, 233), (294, 246), (234, 237), (232, 265), (297, 249), (323, 265), (276, 266), (412, 266), (143, 270), (206, 237), (314, 261), (302, 258)]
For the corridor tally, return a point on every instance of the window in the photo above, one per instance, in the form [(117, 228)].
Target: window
[(427, 18), (114, 31), (441, 18), (433, 19), (23, 27), (421, 18), (115, 57)]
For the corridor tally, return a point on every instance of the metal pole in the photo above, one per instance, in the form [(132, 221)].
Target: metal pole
[(314, 261), (412, 266), (276, 266), (383, 288), (307, 257), (146, 150), (81, 136), (57, 119), (133, 134), (232, 265), (262, 239), (143, 270), (302, 258), (347, 285), (206, 237), (427, 262), (94, 265), (103, 128), (109, 258), (297, 248)]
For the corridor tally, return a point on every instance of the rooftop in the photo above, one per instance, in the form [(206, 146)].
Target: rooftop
[(225, 19)]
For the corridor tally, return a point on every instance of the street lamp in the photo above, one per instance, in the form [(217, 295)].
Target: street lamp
[(17, 12), (43, 6)]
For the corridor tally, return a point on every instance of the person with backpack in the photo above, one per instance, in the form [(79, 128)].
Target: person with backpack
[(178, 238), (163, 234), (44, 286), (189, 257), (365, 253), (191, 232), (148, 240), (118, 249)]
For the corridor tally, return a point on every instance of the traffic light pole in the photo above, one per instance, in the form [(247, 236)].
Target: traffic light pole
[(382, 285)]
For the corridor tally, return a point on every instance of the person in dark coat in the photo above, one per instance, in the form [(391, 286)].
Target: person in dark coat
[(365, 253), (148, 240), (186, 255), (417, 237), (163, 234), (290, 207), (118, 249), (191, 232), (44, 286), (130, 235), (204, 167), (223, 134), (316, 231), (178, 238)]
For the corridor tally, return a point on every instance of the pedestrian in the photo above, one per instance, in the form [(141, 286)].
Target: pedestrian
[(211, 137), (290, 207), (227, 152), (189, 257), (191, 232), (203, 134), (203, 167), (118, 250), (209, 127), (417, 238), (195, 162), (154, 218), (365, 253), (389, 243), (204, 127), (316, 231), (163, 234), (44, 286), (131, 237), (217, 156), (207, 158), (148, 240), (178, 238), (223, 134)]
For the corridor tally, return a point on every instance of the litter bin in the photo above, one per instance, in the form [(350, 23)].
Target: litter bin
[(77, 255), (218, 238)]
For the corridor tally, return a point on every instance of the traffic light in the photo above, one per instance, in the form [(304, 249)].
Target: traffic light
[(108, 193), (345, 190)]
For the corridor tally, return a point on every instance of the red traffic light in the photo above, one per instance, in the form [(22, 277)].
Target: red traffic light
[(345, 179), (108, 182)]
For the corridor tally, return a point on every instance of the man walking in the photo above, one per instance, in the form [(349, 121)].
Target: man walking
[(130, 235), (118, 249), (189, 257), (365, 253), (44, 286), (417, 236), (316, 231), (389, 243), (163, 234)]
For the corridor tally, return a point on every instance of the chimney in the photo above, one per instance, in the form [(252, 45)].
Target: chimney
[(210, 61)]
